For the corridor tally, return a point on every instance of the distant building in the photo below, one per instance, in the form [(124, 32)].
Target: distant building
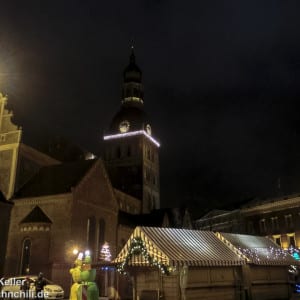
[(277, 218)]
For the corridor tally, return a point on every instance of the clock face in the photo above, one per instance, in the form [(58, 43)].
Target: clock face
[(148, 129), (124, 126)]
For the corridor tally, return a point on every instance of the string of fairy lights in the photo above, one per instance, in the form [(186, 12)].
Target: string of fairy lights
[(270, 253), (137, 247)]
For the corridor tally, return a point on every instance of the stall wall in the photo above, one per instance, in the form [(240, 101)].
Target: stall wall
[(214, 283), (270, 282)]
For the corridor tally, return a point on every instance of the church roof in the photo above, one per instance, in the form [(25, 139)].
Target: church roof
[(156, 218), (153, 219), (36, 216), (55, 179)]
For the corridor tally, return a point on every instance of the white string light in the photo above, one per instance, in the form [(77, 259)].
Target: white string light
[(131, 133)]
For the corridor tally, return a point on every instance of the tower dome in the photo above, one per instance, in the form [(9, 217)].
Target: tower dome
[(132, 89), (131, 116), (132, 72)]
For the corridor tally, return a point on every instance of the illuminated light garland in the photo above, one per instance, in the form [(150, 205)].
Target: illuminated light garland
[(270, 253), (137, 247), (132, 133)]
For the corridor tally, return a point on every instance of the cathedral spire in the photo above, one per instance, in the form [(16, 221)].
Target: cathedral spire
[(132, 56), (132, 90)]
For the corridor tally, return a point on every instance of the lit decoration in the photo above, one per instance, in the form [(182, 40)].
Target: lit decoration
[(259, 255), (105, 252), (137, 247), (295, 252), (132, 133)]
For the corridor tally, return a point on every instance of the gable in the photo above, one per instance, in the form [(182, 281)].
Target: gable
[(95, 188)]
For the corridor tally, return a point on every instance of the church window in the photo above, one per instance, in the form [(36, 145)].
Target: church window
[(101, 237), (91, 233), (25, 259)]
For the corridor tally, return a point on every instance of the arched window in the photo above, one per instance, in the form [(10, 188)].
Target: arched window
[(91, 233), (25, 258), (101, 237)]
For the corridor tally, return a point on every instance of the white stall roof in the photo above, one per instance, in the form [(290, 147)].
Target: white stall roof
[(173, 247), (259, 250)]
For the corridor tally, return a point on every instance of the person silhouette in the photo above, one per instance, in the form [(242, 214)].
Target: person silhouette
[(39, 286)]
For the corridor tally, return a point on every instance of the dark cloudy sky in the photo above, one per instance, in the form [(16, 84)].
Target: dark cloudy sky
[(222, 85)]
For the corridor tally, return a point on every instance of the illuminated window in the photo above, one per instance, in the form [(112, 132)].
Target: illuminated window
[(277, 239), (288, 221), (292, 240), (262, 225)]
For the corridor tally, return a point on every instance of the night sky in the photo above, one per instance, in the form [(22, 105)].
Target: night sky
[(222, 86)]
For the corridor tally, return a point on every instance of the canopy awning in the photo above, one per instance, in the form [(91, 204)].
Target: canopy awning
[(177, 247), (259, 250)]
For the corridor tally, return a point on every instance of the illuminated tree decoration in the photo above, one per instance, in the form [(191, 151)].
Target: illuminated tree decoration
[(137, 247), (105, 252)]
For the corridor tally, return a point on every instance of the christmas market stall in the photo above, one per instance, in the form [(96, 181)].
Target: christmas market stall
[(170, 264), (266, 273), (175, 264)]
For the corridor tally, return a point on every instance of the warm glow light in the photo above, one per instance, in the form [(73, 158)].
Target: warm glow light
[(75, 251), (132, 133)]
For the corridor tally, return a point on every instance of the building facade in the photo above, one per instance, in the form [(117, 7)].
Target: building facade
[(277, 218), (10, 138)]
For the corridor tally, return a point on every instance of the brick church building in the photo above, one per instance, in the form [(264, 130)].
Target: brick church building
[(50, 206)]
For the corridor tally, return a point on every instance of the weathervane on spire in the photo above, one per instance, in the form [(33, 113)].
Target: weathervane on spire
[(132, 56)]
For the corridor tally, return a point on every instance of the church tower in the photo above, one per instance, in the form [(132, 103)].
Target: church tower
[(10, 136), (131, 151)]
